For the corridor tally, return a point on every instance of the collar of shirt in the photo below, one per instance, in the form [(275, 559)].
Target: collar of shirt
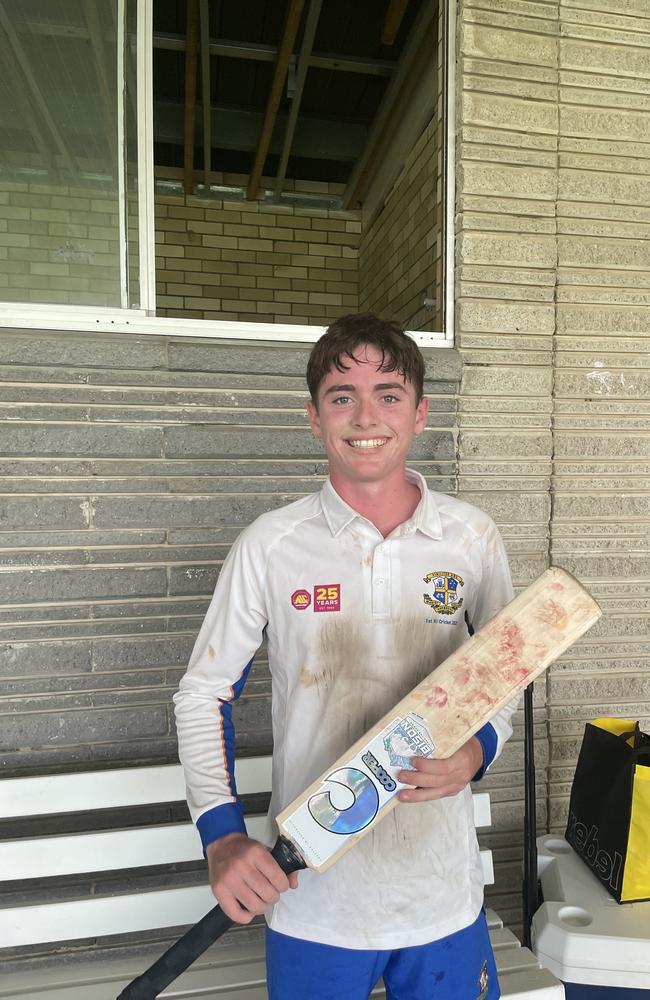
[(425, 517)]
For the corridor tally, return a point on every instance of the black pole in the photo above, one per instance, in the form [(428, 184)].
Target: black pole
[(194, 942), (530, 891)]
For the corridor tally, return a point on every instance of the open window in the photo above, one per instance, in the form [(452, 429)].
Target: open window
[(212, 168)]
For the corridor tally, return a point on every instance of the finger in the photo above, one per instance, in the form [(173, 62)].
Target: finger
[(232, 907), (293, 880), (421, 794), (255, 882), (271, 870)]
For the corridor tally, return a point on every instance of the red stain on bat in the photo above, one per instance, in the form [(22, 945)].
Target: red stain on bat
[(553, 614), (462, 674), (517, 675), (437, 698), (511, 645), (557, 585)]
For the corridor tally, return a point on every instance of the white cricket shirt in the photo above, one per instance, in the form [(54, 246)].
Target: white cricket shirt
[(353, 621)]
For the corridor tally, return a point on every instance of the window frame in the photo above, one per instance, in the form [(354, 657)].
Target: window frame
[(143, 320)]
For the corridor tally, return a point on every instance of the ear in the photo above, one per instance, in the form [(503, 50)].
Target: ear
[(314, 419), (421, 411)]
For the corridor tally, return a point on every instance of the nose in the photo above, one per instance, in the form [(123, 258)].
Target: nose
[(365, 413)]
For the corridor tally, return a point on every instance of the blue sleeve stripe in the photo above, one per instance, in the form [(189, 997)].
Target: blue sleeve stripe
[(228, 728), (487, 737), (220, 821)]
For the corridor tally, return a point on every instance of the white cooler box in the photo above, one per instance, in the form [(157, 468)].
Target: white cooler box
[(599, 948)]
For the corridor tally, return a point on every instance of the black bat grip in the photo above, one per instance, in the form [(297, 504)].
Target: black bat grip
[(194, 942)]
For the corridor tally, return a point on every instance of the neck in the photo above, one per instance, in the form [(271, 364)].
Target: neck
[(385, 504)]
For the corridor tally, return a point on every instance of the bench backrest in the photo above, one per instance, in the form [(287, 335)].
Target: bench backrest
[(124, 850)]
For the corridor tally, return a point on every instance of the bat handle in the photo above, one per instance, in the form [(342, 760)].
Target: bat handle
[(194, 942)]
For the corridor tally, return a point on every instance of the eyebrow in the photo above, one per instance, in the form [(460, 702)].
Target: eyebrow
[(380, 387)]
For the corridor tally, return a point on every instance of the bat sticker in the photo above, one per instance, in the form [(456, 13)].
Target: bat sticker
[(352, 814), (350, 798)]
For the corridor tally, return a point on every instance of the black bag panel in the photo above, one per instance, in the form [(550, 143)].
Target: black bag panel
[(601, 805)]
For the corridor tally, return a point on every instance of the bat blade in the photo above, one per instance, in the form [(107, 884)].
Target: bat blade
[(438, 716)]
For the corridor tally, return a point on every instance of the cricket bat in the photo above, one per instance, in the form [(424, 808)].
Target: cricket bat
[(434, 720)]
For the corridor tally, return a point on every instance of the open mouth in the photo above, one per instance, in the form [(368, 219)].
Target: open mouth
[(367, 444)]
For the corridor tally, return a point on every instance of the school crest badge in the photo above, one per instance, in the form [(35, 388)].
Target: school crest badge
[(444, 590)]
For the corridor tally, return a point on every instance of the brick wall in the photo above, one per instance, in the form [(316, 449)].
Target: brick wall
[(58, 245), (244, 261), (127, 468), (552, 289), (248, 261), (400, 259)]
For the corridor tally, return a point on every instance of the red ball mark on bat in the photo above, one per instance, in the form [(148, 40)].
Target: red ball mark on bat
[(553, 614), (517, 676), (437, 698), (557, 585), (511, 645), (462, 674), (484, 696)]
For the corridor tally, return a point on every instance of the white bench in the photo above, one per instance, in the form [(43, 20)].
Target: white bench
[(86, 967)]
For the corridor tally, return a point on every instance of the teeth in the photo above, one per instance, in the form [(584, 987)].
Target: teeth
[(368, 443)]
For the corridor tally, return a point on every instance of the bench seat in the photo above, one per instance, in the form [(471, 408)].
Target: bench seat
[(60, 948)]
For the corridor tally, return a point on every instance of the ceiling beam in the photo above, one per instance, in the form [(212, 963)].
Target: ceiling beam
[(239, 129), (38, 99), (191, 64), (419, 48), (267, 53), (308, 37), (206, 92), (285, 50), (393, 21)]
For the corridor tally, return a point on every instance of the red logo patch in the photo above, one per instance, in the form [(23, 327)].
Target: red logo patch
[(301, 599), (327, 597)]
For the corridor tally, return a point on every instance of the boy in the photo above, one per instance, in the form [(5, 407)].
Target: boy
[(360, 589)]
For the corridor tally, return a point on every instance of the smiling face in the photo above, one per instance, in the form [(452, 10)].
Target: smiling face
[(367, 419)]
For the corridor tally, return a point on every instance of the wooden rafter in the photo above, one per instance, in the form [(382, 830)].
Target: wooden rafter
[(289, 32), (191, 64), (309, 35), (393, 21)]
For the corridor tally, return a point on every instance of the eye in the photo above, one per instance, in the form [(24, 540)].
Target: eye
[(341, 400), (390, 397)]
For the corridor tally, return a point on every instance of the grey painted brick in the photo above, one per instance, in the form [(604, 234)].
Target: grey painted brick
[(177, 512), (24, 659), (266, 359), (78, 439), (74, 351), (193, 579), (41, 512), (46, 729), (53, 585), (125, 654)]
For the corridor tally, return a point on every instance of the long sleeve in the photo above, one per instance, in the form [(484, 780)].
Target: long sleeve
[(219, 665)]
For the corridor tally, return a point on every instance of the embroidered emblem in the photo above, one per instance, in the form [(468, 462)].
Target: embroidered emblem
[(444, 594), (328, 597), (483, 983), (301, 599)]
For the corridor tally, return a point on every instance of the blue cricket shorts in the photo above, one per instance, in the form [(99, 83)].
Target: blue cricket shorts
[(458, 967)]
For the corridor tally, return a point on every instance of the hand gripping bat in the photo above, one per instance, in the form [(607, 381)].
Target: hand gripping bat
[(434, 720)]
